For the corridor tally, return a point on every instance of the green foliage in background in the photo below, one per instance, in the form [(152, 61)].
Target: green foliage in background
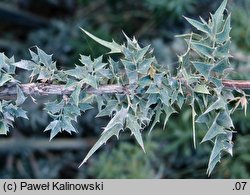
[(240, 14), (175, 7), (127, 161)]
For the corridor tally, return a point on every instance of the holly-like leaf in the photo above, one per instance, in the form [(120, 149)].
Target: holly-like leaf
[(115, 125), (113, 46), (4, 129), (4, 78), (223, 142), (225, 120), (109, 108), (158, 113), (164, 97), (224, 35), (223, 50), (214, 130), (218, 104), (153, 89), (75, 95), (144, 66), (216, 81), (54, 128), (199, 26), (25, 64), (217, 17), (78, 72), (133, 125), (67, 126), (168, 110), (54, 107), (45, 59), (20, 96), (140, 53), (201, 89), (202, 49), (221, 66), (21, 113), (119, 118), (203, 68), (91, 80)]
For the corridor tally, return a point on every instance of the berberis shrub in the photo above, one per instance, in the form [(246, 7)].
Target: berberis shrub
[(134, 91)]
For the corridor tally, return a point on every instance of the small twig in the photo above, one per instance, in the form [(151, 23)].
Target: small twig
[(236, 84), (41, 89)]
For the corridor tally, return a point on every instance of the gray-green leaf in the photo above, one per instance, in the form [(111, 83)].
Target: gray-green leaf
[(113, 46)]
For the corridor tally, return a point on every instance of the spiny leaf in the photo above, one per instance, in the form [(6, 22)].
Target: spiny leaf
[(204, 118), (152, 99), (203, 49), (87, 62), (34, 56), (78, 72), (72, 111), (102, 140), (4, 78), (221, 66), (4, 129), (45, 59), (133, 125), (217, 17), (213, 131), (54, 107), (224, 35), (158, 78), (110, 107), (225, 120), (201, 89), (223, 50), (67, 126), (91, 80), (113, 46), (2, 60), (203, 68), (84, 107), (153, 89), (223, 142), (75, 95), (212, 163), (113, 128), (158, 113), (55, 128), (219, 103), (168, 112), (219, 12), (119, 118), (217, 82), (140, 54), (199, 26), (25, 64), (20, 96), (144, 66), (164, 97)]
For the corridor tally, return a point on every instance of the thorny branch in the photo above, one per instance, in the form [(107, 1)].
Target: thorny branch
[(41, 89), (9, 91)]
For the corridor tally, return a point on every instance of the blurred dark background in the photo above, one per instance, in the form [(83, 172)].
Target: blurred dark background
[(53, 26)]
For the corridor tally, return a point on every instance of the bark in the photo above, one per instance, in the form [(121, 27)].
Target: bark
[(42, 89)]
